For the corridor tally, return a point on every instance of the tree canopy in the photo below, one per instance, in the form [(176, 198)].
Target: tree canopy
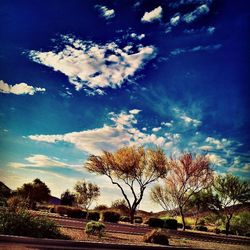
[(37, 191), (132, 167), (230, 191), (86, 193), (188, 175)]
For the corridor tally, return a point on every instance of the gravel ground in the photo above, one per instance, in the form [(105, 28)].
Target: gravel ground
[(138, 239)]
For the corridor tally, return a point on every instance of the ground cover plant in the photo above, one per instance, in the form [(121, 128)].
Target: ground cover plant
[(24, 224)]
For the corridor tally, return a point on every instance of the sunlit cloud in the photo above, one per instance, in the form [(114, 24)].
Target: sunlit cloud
[(105, 12), (19, 89), (95, 67), (152, 16)]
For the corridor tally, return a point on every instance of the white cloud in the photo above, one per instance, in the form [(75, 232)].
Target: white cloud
[(105, 12), (93, 66), (43, 161), (156, 129), (220, 144), (192, 16), (206, 148), (135, 36), (167, 124), (217, 160), (190, 121), (152, 16), (109, 137), (19, 89), (175, 20), (195, 49)]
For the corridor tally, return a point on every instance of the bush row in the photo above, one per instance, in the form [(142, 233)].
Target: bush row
[(163, 223), (107, 216)]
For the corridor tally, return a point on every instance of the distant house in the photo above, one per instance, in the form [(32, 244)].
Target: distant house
[(54, 200)]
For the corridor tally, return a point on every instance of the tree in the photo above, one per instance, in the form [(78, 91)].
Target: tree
[(120, 205), (202, 201), (67, 198), (86, 193), (230, 191), (188, 175), (37, 191), (130, 167)]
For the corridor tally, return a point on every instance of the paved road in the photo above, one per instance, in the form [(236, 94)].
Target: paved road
[(7, 242)]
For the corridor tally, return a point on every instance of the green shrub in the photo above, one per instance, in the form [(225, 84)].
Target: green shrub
[(76, 213), (179, 225), (111, 216), (170, 224), (155, 222), (93, 215), (201, 228), (241, 223), (24, 224), (156, 237), (95, 228), (138, 219), (16, 203), (125, 219)]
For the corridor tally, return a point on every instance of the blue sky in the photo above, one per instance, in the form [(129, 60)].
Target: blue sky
[(78, 77)]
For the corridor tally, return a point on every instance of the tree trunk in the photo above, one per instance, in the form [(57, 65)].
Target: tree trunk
[(132, 216), (228, 224), (183, 218)]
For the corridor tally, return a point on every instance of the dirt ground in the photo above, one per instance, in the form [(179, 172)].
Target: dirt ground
[(138, 239)]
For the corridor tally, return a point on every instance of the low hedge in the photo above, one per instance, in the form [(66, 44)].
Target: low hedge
[(170, 224), (72, 212), (110, 216), (155, 222), (201, 228), (93, 215)]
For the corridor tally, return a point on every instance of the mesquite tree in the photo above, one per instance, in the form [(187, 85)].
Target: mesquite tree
[(187, 176), (131, 169), (230, 191), (86, 193)]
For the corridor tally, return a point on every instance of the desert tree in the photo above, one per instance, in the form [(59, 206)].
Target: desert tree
[(203, 201), (188, 175), (86, 193), (34, 192), (67, 198), (131, 169), (231, 191)]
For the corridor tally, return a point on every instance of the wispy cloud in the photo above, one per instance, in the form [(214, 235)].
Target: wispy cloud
[(179, 51), (207, 30), (94, 67), (198, 12), (109, 137), (152, 16), (105, 12), (19, 89), (44, 162)]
